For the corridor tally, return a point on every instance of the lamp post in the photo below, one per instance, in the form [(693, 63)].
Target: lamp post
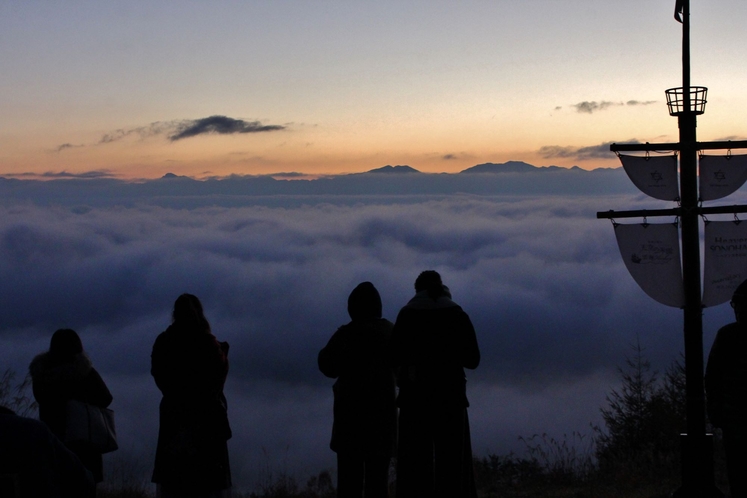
[(686, 103)]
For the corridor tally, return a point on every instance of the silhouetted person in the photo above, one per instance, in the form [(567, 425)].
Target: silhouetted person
[(365, 415), (433, 341), (726, 389), (63, 373), (190, 367), (34, 463)]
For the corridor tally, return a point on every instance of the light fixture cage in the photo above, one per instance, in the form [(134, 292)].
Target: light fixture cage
[(676, 100)]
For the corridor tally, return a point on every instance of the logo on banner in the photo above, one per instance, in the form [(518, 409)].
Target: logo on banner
[(725, 260), (654, 176), (651, 253), (654, 253), (721, 175)]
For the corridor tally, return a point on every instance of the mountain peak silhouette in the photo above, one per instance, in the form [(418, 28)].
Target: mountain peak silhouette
[(507, 167), (177, 179), (394, 169)]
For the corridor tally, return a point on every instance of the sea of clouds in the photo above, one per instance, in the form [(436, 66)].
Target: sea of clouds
[(555, 310)]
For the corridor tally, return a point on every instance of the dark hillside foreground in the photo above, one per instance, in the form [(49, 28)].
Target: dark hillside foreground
[(636, 454)]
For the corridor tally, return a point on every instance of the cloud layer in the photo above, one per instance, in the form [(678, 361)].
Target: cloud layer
[(542, 279)]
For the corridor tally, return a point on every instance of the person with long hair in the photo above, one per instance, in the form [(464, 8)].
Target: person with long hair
[(190, 366), (65, 373)]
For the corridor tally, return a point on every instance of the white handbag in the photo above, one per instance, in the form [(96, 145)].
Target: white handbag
[(90, 425)]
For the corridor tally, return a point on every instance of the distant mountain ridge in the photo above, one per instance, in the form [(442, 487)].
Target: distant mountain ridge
[(512, 167), (513, 178), (507, 167)]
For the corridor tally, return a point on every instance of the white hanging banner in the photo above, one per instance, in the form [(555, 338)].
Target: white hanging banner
[(721, 175), (654, 176), (725, 266), (651, 253)]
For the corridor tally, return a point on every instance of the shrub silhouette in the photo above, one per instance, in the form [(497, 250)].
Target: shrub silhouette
[(15, 395), (643, 421)]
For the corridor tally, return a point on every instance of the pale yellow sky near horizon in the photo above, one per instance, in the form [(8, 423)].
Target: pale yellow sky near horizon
[(350, 87)]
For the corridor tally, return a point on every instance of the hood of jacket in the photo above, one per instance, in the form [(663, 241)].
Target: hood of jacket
[(45, 369), (364, 303), (423, 301)]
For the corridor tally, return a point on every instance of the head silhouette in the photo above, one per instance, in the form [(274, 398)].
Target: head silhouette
[(739, 302), (188, 313), (364, 302), (65, 344), (430, 281)]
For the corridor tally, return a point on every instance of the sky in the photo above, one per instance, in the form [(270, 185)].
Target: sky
[(139, 89)]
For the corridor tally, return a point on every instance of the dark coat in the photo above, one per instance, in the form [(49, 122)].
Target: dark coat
[(726, 377), (433, 341), (190, 368), (44, 467), (365, 413), (55, 383)]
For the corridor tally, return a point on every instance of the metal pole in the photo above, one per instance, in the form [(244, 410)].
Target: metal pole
[(693, 454), (686, 52), (697, 466)]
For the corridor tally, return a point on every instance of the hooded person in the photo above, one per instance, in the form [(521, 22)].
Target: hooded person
[(65, 373), (364, 430), (726, 391), (433, 341)]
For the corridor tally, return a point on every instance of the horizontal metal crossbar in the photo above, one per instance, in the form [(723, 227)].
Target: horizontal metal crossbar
[(723, 209), (641, 213), (645, 213), (723, 144)]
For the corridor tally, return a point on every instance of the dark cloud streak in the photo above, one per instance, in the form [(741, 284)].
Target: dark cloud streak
[(181, 129), (639, 102), (143, 132), (86, 175), (590, 107), (66, 146), (587, 107), (100, 173), (601, 151), (221, 125)]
